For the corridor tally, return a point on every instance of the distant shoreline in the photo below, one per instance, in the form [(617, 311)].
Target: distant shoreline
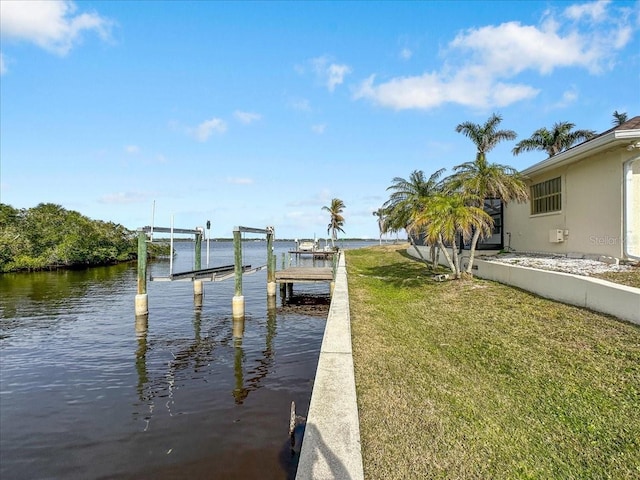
[(260, 239)]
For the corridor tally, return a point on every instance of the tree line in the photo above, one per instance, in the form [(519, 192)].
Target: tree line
[(446, 211), (48, 237)]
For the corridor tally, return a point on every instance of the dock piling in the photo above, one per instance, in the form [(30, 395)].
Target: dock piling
[(271, 264), (237, 303), (198, 275), (283, 286), (141, 301), (198, 289)]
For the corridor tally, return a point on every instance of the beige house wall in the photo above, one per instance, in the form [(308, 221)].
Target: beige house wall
[(632, 228), (591, 219)]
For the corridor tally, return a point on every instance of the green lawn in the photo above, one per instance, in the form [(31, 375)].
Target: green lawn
[(473, 379), (630, 278)]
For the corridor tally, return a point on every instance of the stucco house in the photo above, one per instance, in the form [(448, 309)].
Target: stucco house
[(585, 200), (584, 203)]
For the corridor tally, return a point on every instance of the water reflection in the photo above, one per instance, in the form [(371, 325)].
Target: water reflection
[(142, 325), (239, 392), (87, 393), (197, 354), (53, 286), (261, 370), (44, 299)]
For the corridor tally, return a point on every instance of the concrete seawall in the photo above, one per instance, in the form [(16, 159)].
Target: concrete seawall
[(331, 443)]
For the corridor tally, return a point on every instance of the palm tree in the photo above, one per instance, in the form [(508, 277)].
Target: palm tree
[(381, 214), (408, 195), (337, 220), (619, 118), (479, 179), (560, 138), (447, 216), (486, 136), (408, 198)]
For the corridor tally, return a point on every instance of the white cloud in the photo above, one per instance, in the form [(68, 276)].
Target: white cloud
[(510, 48), (51, 24), (301, 104), (240, 181), (621, 37), (325, 196), (336, 74), (124, 197), (329, 74), (433, 89), (404, 92), (503, 94), (595, 11), (3, 67), (203, 131), (132, 149), (246, 117), (569, 97), (484, 63), (296, 214), (319, 128), (321, 198), (406, 54)]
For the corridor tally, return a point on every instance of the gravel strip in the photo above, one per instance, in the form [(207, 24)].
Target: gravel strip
[(577, 266)]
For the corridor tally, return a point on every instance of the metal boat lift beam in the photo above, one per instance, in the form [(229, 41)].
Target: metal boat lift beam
[(206, 271), (207, 275), (253, 230), (148, 229)]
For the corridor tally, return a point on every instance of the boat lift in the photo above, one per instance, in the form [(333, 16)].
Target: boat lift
[(199, 274)]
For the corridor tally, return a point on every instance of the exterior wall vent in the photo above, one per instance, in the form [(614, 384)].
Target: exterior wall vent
[(556, 236)]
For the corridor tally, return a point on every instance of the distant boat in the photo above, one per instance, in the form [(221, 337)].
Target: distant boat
[(307, 246)]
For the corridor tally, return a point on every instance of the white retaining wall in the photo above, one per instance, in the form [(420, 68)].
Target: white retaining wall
[(600, 295)]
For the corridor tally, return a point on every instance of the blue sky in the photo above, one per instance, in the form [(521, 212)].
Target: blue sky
[(259, 113)]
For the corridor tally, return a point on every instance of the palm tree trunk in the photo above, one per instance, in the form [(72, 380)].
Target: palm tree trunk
[(436, 257), (417, 250), (446, 255), (456, 258), (472, 252)]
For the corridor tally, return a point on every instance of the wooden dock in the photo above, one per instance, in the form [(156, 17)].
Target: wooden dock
[(314, 253), (304, 275)]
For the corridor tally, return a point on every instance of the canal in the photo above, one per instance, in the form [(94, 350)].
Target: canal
[(85, 394)]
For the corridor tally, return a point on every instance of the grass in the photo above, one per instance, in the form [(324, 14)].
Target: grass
[(473, 379), (630, 278)]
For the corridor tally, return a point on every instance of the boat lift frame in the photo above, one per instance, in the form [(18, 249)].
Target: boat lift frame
[(198, 275)]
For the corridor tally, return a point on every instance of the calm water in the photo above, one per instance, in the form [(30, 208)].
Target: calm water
[(87, 393)]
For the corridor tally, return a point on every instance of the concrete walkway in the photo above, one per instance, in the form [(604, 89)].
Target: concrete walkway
[(331, 443)]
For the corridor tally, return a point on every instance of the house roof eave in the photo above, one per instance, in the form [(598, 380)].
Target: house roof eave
[(620, 138)]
